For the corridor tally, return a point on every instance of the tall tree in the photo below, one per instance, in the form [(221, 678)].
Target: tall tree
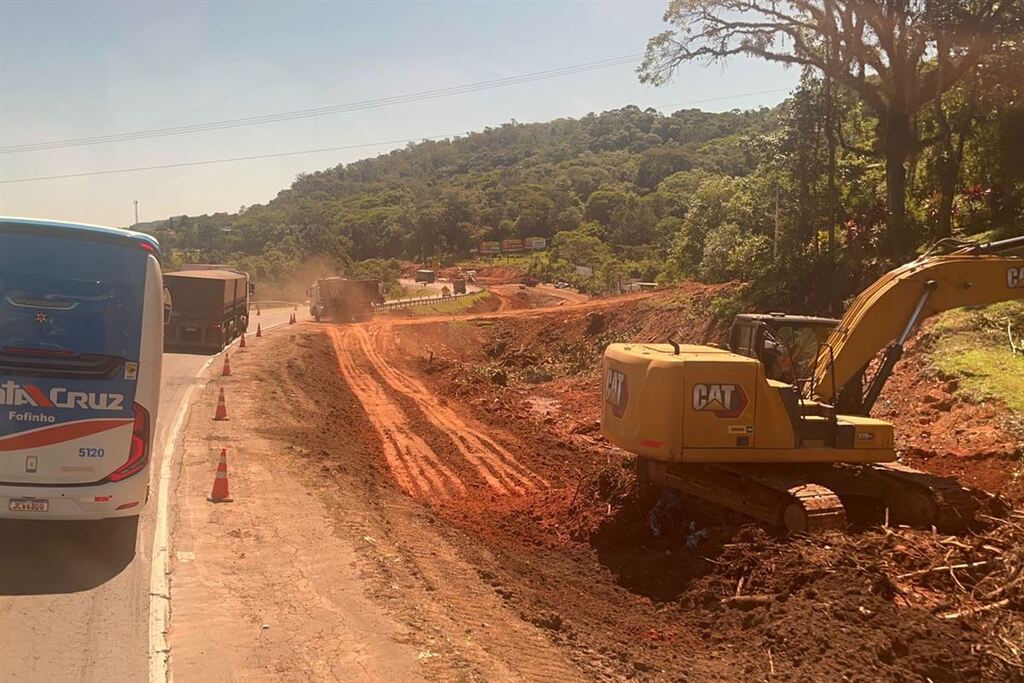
[(898, 56)]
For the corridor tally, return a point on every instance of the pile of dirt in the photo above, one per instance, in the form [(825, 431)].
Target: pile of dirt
[(485, 274), (980, 444), (572, 341), (499, 275)]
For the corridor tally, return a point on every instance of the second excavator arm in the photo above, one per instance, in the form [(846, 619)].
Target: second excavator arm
[(885, 314)]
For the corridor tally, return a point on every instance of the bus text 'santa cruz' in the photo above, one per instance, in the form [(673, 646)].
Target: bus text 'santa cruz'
[(14, 394)]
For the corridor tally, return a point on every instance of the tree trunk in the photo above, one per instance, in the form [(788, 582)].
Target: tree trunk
[(949, 173), (897, 140), (952, 161)]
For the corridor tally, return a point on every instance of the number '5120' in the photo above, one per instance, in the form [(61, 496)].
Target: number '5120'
[(90, 453)]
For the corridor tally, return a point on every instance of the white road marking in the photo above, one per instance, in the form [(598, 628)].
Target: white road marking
[(159, 582)]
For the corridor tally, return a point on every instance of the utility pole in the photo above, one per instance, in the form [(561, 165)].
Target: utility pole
[(136, 203)]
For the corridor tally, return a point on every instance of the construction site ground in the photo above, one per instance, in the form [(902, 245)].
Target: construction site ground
[(429, 497)]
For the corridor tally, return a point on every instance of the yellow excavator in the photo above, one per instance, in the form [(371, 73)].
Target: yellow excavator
[(776, 427)]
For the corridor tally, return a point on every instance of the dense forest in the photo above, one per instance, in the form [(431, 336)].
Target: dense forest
[(796, 200)]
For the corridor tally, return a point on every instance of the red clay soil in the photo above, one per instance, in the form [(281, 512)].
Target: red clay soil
[(938, 431), (497, 523), (490, 421), (498, 275)]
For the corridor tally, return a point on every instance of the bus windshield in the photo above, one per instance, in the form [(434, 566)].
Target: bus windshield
[(69, 295)]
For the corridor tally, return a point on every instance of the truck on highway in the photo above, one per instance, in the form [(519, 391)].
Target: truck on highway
[(343, 300), (210, 308)]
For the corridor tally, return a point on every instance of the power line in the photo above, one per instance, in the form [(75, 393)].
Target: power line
[(322, 111), (725, 97), (206, 162)]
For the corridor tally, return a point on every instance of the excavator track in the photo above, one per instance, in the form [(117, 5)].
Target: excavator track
[(950, 507), (911, 497), (822, 508), (817, 497), (779, 497)]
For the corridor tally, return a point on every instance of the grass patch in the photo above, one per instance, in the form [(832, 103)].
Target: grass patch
[(453, 306), (972, 346)]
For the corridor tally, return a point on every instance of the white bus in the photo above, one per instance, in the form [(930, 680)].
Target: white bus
[(81, 344)]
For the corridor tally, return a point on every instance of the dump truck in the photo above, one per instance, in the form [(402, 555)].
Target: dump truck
[(425, 276), (209, 308), (777, 427), (459, 285), (342, 300)]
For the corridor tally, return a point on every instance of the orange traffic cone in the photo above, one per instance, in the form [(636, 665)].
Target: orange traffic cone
[(222, 407), (259, 331), (220, 483), (241, 344), (226, 372)]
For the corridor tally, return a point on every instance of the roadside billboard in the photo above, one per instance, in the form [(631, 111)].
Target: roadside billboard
[(490, 247), (535, 243), (511, 245)]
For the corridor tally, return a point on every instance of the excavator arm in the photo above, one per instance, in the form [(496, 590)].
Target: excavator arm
[(885, 314)]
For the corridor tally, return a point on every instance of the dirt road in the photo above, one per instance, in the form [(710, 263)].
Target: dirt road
[(75, 598), (356, 582), (397, 404)]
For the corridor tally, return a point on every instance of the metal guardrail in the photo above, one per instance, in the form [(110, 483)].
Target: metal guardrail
[(412, 303)]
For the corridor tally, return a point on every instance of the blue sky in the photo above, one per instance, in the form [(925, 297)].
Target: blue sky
[(76, 69)]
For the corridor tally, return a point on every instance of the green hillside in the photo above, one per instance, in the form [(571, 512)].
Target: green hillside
[(740, 195)]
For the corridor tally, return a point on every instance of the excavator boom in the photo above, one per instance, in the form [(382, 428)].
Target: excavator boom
[(888, 311)]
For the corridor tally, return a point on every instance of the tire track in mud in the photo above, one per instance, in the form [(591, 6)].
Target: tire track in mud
[(418, 469), (474, 445)]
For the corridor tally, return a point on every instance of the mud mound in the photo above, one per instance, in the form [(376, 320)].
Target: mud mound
[(573, 340), (498, 275), (979, 444)]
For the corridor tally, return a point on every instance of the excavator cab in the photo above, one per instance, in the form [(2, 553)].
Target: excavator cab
[(787, 345)]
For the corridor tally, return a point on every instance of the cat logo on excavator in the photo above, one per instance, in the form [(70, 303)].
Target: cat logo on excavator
[(616, 392), (1015, 278), (724, 400)]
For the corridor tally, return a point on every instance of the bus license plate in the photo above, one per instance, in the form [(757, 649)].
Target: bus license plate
[(28, 505)]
